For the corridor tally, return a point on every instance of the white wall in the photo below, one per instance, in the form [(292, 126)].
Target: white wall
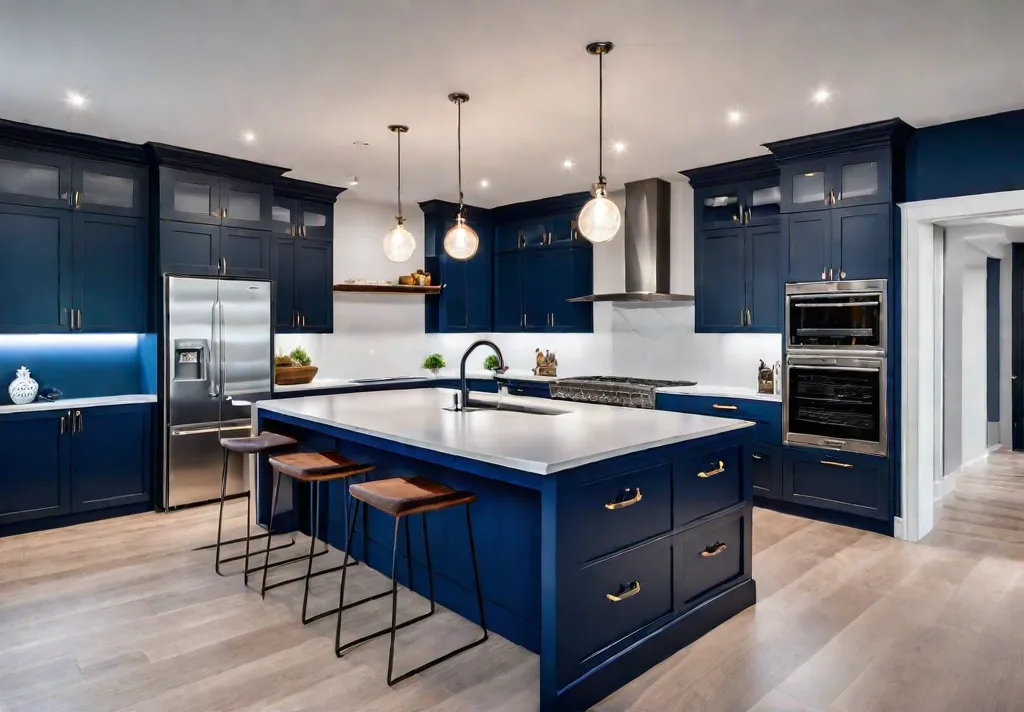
[(952, 352), (974, 364), (1006, 346), (381, 335)]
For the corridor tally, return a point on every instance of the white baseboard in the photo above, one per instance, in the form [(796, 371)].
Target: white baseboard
[(897, 528), (947, 485)]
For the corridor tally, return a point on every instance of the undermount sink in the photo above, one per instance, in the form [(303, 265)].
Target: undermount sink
[(475, 406)]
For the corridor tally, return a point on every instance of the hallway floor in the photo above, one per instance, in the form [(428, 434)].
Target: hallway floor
[(120, 615)]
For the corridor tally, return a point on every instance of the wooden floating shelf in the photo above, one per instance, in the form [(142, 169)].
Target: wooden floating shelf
[(387, 289)]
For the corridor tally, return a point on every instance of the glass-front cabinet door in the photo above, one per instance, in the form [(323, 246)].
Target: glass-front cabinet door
[(861, 178), (805, 186), (189, 197), (763, 202), (35, 178), (317, 220), (284, 216), (109, 188), (245, 204), (720, 206)]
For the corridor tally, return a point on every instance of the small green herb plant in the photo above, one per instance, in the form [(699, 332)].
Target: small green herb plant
[(491, 362), (434, 362), (299, 356)]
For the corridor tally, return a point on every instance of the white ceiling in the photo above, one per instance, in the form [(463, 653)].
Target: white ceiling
[(309, 77)]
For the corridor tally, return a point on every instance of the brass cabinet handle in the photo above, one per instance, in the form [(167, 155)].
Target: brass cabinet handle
[(223, 212), (842, 274), (626, 502), (829, 274), (711, 473), (832, 194), (756, 456), (719, 406), (291, 230), (833, 463), (573, 231), (632, 588), (63, 422), (303, 320), (823, 273), (748, 215), (713, 550), (303, 231), (79, 319), (76, 201), (78, 417), (748, 317)]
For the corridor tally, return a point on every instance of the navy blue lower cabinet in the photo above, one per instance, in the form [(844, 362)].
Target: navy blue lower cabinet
[(708, 483), (588, 567), (110, 457), (765, 279), (844, 482), (766, 470), (34, 478), (189, 248), (861, 242), (35, 269), (720, 296), (245, 252), (767, 414), (808, 243), (110, 273), (533, 389)]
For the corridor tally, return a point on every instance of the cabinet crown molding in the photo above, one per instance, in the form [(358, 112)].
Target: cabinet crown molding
[(733, 171), (879, 134), (531, 208), (202, 162), (287, 187), (15, 133)]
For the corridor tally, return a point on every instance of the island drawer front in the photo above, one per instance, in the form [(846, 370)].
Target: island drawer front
[(642, 581), (710, 555), (766, 414), (707, 484), (610, 514)]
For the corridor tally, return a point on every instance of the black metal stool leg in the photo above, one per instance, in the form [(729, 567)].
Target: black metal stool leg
[(248, 537), (430, 565), (464, 648), (270, 530), (344, 577), (220, 516), (314, 502), (408, 553), (394, 594)]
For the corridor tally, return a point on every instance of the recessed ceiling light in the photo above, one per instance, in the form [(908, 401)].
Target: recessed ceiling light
[(75, 99), (734, 117), (567, 163), (361, 143), (822, 95), (484, 183), (354, 180), (248, 136), (619, 147)]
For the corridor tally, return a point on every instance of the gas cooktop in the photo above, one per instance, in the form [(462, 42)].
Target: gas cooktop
[(612, 390)]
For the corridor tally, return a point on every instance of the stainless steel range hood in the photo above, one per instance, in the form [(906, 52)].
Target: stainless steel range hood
[(647, 248)]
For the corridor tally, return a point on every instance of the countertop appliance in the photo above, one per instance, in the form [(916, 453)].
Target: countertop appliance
[(218, 359), (612, 390), (836, 316)]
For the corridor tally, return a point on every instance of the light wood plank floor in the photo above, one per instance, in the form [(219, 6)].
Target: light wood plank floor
[(121, 615)]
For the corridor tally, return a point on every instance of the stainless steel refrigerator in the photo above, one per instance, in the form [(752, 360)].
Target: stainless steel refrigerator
[(218, 360)]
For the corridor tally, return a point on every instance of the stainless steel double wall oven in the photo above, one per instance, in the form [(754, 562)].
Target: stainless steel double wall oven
[(834, 390)]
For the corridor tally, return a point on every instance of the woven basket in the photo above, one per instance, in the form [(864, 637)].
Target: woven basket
[(294, 375)]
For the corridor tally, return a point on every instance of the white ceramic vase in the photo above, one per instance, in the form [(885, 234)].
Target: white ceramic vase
[(23, 388)]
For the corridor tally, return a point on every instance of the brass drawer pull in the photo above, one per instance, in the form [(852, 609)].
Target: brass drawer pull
[(713, 550), (833, 463), (626, 502), (631, 590), (719, 406), (711, 473)]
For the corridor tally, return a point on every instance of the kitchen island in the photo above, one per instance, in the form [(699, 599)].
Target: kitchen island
[(608, 538)]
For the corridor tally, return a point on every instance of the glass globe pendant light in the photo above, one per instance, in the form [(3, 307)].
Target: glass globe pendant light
[(399, 244), (599, 220), (461, 242)]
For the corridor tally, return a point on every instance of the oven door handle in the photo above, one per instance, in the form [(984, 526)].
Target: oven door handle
[(860, 369), (820, 305)]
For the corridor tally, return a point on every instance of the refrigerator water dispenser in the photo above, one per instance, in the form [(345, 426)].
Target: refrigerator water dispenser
[(190, 359)]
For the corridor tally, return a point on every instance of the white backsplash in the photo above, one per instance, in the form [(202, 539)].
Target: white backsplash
[(377, 335)]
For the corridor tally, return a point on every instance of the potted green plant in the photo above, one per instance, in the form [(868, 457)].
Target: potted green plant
[(491, 363), (434, 363)]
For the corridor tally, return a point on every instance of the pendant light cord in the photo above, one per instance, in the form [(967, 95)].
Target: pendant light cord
[(399, 176), (600, 117), (459, 104)]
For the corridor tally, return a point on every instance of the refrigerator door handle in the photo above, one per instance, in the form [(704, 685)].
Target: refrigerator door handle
[(222, 366), (215, 356)]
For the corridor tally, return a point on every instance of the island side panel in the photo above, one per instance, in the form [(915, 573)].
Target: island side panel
[(633, 529), (506, 527)]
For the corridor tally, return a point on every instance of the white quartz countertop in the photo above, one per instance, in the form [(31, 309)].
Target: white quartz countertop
[(446, 373), (543, 444), (722, 392), (73, 403)]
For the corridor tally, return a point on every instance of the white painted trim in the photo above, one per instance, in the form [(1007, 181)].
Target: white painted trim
[(947, 485), (918, 338), (897, 528)]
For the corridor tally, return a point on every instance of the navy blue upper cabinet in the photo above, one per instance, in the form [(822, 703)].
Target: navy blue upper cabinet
[(720, 293), (536, 301), (314, 286), (34, 479), (808, 240), (466, 300), (110, 461), (509, 314), (189, 197), (246, 204), (284, 214), (316, 220), (36, 259), (861, 178), (570, 273), (718, 206), (282, 265), (110, 273), (562, 229), (35, 178), (762, 201), (861, 242), (805, 186), (245, 252), (737, 193), (764, 259), (109, 188), (189, 248)]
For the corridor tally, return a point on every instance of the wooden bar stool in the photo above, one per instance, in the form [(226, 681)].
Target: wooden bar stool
[(253, 445), (314, 468), (402, 497)]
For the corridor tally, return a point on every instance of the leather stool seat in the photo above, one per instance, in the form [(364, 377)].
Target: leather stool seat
[(257, 443), (403, 496), (317, 466)]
